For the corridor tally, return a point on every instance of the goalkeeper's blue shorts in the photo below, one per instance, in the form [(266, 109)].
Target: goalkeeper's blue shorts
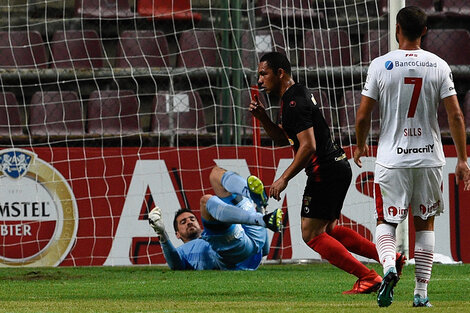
[(239, 246)]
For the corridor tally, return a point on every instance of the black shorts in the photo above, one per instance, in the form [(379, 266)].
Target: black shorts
[(325, 192)]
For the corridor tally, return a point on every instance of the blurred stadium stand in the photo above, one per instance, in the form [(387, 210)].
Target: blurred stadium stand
[(281, 11), (97, 44), (437, 41), (317, 41), (456, 8), (179, 10), (10, 121), (206, 55), (181, 112), (76, 49), (103, 9), (142, 48), (22, 49), (55, 113), (347, 116), (261, 42), (113, 112), (374, 44)]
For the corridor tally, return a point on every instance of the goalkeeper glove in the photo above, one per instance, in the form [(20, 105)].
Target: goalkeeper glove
[(156, 221)]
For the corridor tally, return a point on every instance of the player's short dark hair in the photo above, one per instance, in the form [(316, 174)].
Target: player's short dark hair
[(178, 213), (276, 60), (412, 21)]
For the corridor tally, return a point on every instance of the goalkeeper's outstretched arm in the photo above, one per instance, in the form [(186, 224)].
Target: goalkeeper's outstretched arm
[(172, 257)]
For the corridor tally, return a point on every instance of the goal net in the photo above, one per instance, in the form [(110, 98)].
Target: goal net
[(110, 107)]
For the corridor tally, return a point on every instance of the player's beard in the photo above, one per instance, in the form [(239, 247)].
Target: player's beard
[(194, 233)]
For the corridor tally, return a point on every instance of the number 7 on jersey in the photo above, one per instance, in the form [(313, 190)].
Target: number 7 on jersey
[(418, 83)]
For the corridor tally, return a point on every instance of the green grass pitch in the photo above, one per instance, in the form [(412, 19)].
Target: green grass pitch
[(272, 288)]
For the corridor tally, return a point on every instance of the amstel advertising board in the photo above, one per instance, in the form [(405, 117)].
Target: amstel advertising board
[(87, 206)]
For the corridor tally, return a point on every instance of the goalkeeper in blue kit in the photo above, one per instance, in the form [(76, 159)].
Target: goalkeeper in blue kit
[(234, 235)]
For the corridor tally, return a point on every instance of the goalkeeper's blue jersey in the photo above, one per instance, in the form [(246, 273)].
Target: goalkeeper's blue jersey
[(222, 246), (198, 254)]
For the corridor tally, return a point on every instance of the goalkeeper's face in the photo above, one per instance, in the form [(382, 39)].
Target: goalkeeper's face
[(188, 227)]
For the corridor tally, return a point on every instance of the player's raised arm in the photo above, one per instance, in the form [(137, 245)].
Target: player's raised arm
[(172, 257), (273, 130)]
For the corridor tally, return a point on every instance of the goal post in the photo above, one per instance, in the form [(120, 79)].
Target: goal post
[(402, 231)]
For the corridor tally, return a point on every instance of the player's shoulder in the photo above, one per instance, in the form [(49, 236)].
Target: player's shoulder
[(297, 93), (435, 58), (299, 90), (381, 61)]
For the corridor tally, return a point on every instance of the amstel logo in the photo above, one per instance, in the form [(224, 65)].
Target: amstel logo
[(38, 211)]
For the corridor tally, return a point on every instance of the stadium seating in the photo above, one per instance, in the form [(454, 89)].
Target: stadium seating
[(55, 113), (179, 10), (374, 44), (179, 113), (429, 7), (113, 112), (438, 41), (142, 49), (322, 101), (466, 112), (279, 11), (347, 116), (76, 49), (160, 121), (347, 108), (10, 121), (426, 5), (262, 42), (22, 49), (103, 9), (325, 48), (456, 8), (191, 56), (226, 111)]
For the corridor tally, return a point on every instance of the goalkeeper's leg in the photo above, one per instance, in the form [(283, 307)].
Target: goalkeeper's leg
[(226, 183), (215, 209)]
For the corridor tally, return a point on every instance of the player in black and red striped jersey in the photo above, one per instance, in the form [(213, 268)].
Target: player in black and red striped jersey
[(302, 125)]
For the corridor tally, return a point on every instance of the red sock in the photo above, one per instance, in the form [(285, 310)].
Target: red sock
[(332, 250), (355, 242)]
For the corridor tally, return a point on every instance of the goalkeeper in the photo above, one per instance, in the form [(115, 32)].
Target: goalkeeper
[(234, 235)]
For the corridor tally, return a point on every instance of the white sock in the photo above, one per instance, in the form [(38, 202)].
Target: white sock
[(424, 253), (386, 245)]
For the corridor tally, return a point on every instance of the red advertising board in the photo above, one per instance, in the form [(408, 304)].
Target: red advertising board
[(100, 180)]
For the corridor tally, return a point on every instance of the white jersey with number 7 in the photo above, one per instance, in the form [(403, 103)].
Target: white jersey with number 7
[(408, 85)]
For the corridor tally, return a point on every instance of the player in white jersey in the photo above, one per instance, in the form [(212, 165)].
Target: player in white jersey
[(408, 85)]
